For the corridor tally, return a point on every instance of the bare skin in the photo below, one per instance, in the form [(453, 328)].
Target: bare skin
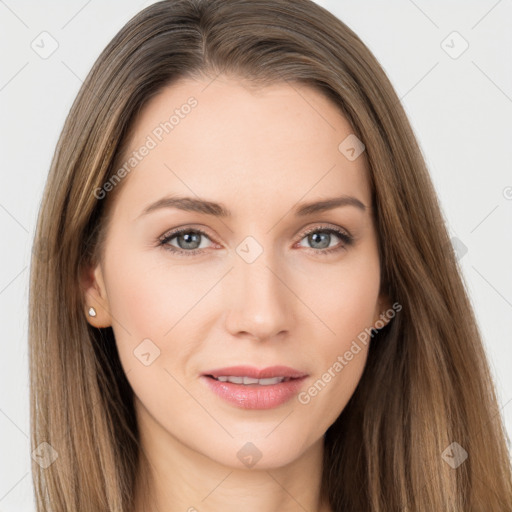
[(259, 153)]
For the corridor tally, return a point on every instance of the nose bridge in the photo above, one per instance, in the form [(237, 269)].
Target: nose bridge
[(259, 302)]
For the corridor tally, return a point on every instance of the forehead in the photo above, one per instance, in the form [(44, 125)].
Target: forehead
[(220, 139)]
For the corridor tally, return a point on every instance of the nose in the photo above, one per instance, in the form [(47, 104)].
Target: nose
[(258, 298)]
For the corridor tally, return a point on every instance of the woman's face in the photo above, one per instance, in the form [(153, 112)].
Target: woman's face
[(247, 288)]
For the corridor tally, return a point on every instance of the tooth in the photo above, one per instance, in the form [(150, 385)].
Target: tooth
[(250, 380), (274, 380)]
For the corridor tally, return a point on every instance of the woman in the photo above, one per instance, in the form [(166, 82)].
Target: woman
[(192, 346)]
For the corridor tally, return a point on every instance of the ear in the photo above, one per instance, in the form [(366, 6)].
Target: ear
[(383, 304), (95, 295)]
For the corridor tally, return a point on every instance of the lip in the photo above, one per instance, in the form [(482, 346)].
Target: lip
[(255, 373), (255, 396)]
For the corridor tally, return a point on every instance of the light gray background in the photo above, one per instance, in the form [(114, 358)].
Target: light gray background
[(460, 109)]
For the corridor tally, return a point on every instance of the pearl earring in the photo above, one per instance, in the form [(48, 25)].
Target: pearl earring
[(92, 311)]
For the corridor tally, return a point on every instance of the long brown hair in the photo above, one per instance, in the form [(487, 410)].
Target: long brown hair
[(426, 383)]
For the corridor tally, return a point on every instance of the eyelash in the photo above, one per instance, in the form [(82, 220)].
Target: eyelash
[(347, 240)]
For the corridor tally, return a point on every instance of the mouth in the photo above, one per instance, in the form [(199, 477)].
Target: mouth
[(249, 388)]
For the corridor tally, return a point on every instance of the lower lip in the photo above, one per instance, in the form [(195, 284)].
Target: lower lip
[(255, 396)]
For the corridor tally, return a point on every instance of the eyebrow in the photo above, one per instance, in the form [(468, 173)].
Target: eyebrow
[(198, 205)]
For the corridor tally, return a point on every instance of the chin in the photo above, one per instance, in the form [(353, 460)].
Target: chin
[(258, 452)]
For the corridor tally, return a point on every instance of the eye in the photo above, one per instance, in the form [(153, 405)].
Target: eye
[(321, 237), (188, 240)]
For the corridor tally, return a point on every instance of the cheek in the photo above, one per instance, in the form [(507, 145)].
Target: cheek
[(344, 296), (345, 299), (155, 306), (149, 296), (151, 306), (341, 359)]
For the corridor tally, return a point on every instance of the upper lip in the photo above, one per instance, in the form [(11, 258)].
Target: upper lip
[(256, 373)]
